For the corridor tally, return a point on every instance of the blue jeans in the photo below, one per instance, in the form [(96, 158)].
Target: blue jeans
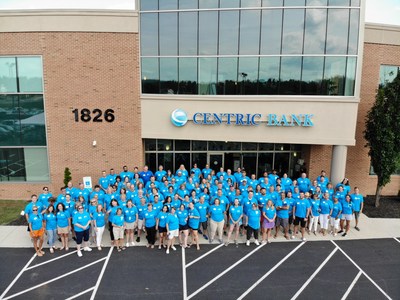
[(51, 236)]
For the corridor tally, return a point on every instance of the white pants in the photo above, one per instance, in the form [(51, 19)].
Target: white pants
[(313, 220), (335, 223), (324, 221), (99, 235), (216, 227)]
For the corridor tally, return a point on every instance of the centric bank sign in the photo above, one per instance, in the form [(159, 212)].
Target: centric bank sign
[(179, 118)]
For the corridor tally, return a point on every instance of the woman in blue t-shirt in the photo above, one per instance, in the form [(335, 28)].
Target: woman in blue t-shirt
[(269, 214), (99, 221), (235, 220), (149, 218), (183, 225), (50, 220), (194, 222), (347, 214), (63, 225), (254, 217), (160, 225), (118, 227), (217, 214), (36, 230)]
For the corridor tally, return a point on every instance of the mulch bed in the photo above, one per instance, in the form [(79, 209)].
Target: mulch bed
[(389, 207)]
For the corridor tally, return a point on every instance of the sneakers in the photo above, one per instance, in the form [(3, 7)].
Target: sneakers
[(88, 249), (226, 244), (200, 232), (236, 242), (173, 247), (205, 237), (99, 248), (167, 251), (210, 241), (257, 242), (303, 239), (344, 234), (138, 239), (127, 245), (356, 228), (79, 253), (51, 250), (132, 243), (293, 237), (263, 242), (247, 243), (221, 241)]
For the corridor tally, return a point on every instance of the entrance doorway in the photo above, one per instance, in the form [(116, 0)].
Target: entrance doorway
[(216, 160)]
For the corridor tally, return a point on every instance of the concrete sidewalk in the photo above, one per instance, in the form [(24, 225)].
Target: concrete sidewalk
[(18, 237)]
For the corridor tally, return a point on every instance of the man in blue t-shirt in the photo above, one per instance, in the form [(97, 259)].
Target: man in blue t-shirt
[(301, 211), (146, 174), (358, 204)]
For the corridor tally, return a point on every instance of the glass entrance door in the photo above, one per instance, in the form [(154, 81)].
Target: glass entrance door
[(216, 161)]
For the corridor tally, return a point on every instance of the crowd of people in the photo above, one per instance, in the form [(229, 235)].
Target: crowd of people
[(186, 204)]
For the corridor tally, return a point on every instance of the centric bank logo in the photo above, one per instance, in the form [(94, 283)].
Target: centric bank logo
[(179, 117)]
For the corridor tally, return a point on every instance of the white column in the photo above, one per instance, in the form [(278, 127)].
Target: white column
[(338, 163)]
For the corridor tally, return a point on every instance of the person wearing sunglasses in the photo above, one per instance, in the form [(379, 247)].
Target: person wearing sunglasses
[(36, 226), (81, 221)]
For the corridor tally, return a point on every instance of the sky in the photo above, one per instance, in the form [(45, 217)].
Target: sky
[(378, 11)]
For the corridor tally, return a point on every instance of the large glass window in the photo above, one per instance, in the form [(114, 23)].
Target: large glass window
[(233, 48), (387, 74), (22, 120)]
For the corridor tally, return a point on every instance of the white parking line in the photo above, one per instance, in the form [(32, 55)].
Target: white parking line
[(269, 272), (204, 255), (51, 260), (18, 276), (96, 287), (224, 272), (397, 240), (184, 274), (81, 293), (314, 274), (351, 286), (55, 279), (365, 274)]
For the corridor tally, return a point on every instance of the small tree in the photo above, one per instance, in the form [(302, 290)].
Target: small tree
[(67, 176), (382, 133)]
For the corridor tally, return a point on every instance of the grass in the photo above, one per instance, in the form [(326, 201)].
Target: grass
[(10, 210)]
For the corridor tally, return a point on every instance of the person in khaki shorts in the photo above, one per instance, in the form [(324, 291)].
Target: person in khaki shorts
[(118, 229)]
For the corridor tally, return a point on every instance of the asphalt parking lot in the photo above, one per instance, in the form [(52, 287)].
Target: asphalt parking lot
[(347, 269)]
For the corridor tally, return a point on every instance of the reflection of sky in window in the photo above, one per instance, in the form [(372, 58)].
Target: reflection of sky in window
[(229, 29), (208, 3), (312, 69), (188, 69), (148, 30), (290, 68), (227, 68), (208, 24), (317, 2), (167, 4), (269, 68), (188, 33), (249, 31), (150, 68), (314, 39), (271, 31), (248, 68), (168, 69), (251, 3), (336, 42), (228, 3), (168, 33), (293, 24), (388, 74), (186, 4), (353, 31)]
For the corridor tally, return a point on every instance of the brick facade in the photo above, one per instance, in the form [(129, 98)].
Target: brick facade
[(84, 70)]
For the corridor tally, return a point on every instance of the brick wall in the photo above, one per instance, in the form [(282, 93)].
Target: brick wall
[(84, 70)]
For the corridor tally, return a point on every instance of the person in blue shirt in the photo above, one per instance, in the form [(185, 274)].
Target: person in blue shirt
[(347, 214), (146, 174), (160, 173), (304, 183), (269, 214), (206, 171), (314, 213), (149, 218), (126, 173), (131, 215), (45, 196), (335, 215), (282, 206), (273, 177), (142, 208), (217, 215), (31, 205), (161, 221), (63, 225), (194, 222), (50, 219), (172, 226), (301, 211), (118, 225), (81, 221), (104, 181), (203, 208), (325, 211), (358, 205), (253, 226), (235, 220), (81, 191), (99, 222), (111, 211), (345, 183), (36, 230), (183, 225), (196, 171), (286, 182), (112, 177)]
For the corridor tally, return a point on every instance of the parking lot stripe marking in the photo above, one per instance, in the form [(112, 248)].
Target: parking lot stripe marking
[(204, 255), (51, 260), (96, 287), (351, 286), (397, 240), (269, 272), (18, 276), (224, 272), (365, 274), (314, 274), (55, 279), (184, 274), (80, 294)]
